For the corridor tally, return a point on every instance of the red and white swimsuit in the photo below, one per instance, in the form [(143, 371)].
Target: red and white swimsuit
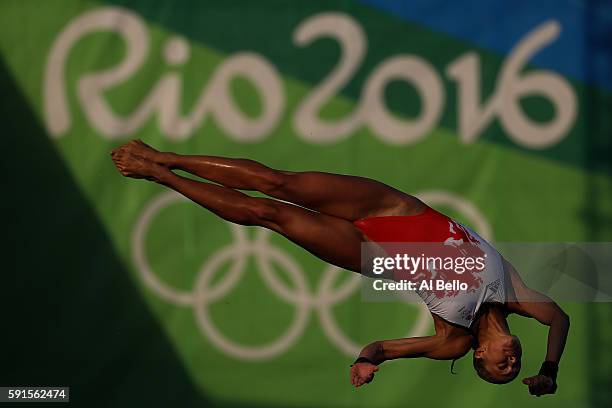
[(459, 307)]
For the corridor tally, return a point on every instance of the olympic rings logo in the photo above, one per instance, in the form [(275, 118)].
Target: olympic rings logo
[(321, 301)]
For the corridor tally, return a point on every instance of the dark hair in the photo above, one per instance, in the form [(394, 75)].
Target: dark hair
[(486, 375), (453, 366)]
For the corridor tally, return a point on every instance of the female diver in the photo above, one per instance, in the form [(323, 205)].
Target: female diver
[(330, 215)]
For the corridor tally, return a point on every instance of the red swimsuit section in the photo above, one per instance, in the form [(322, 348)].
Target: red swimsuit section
[(426, 228), (429, 226)]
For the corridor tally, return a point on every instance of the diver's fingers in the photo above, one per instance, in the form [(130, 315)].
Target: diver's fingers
[(528, 380)]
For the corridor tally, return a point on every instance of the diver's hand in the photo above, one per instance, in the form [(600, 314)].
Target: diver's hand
[(362, 373), (540, 385)]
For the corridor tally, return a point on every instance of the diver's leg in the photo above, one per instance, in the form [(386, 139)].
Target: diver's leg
[(347, 197), (332, 239)]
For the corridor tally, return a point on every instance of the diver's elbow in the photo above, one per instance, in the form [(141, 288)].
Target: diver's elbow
[(563, 318)]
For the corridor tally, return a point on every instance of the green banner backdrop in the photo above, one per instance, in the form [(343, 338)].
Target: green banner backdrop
[(131, 295)]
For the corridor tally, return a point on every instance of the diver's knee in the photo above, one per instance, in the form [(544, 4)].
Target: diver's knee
[(275, 182), (262, 211)]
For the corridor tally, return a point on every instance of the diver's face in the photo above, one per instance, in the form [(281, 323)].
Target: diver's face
[(502, 357)]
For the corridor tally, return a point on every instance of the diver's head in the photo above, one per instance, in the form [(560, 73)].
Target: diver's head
[(498, 359)]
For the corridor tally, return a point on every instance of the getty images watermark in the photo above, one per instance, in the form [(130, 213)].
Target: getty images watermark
[(565, 271), (418, 273)]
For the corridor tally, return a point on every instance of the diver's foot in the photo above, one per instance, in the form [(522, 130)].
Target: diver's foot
[(140, 149), (137, 167)]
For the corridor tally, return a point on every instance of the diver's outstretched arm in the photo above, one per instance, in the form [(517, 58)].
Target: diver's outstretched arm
[(437, 347), (531, 303), (547, 312)]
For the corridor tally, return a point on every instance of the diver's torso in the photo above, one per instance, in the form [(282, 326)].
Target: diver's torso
[(459, 307)]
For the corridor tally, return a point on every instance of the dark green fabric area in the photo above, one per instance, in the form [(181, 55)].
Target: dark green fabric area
[(71, 314)]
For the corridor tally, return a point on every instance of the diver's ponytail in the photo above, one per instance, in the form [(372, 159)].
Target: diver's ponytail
[(453, 366)]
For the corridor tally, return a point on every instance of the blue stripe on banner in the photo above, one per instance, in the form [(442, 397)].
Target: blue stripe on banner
[(582, 52)]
